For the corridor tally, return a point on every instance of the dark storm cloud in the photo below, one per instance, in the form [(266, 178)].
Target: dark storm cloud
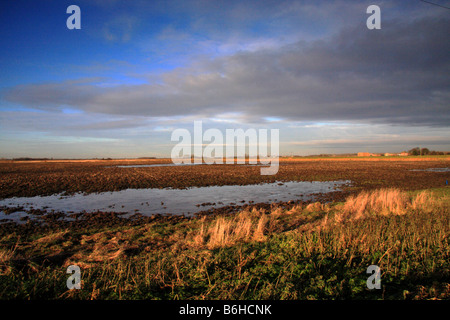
[(396, 75)]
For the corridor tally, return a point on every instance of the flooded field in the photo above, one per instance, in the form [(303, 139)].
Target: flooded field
[(433, 170), (45, 178), (147, 229), (154, 165), (157, 186), (172, 201)]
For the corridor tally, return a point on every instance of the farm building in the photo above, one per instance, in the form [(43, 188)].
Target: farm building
[(364, 154), (368, 154)]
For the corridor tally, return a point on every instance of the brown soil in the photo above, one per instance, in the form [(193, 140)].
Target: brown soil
[(51, 177)]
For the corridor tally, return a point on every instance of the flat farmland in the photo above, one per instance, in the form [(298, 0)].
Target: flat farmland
[(394, 213), (32, 178)]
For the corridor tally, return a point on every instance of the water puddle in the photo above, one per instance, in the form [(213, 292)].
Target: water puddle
[(433, 170), (172, 201), (168, 165), (154, 165)]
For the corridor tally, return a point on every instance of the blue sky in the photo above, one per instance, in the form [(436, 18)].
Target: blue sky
[(137, 70)]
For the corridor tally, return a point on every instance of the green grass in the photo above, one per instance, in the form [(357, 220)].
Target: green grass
[(314, 252)]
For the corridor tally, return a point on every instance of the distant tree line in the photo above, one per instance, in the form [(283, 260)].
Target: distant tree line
[(31, 159), (424, 152)]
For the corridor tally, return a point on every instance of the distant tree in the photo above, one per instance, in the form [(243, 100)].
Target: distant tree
[(414, 151), (424, 151)]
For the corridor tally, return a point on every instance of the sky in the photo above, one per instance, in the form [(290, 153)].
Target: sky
[(137, 70)]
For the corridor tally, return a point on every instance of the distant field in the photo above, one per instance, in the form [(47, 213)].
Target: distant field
[(29, 178), (281, 159), (374, 158)]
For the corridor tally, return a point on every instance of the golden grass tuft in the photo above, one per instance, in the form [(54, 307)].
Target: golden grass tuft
[(227, 231), (384, 202), (101, 250), (295, 209), (277, 212), (5, 255), (52, 237), (314, 207), (424, 201), (106, 251)]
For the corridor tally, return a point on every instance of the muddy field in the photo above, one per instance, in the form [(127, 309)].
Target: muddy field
[(41, 178), (279, 250), (26, 178)]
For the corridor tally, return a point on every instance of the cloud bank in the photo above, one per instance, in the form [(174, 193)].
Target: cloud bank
[(396, 75)]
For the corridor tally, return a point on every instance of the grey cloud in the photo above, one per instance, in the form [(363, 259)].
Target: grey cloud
[(52, 95), (396, 75), (110, 125), (370, 141)]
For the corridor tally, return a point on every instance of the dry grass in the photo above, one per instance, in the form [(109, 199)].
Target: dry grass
[(5, 255), (53, 237), (299, 252), (98, 247), (251, 225), (424, 201), (384, 202), (313, 207), (227, 231)]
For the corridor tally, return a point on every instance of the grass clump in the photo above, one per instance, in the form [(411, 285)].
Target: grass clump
[(386, 202), (227, 231)]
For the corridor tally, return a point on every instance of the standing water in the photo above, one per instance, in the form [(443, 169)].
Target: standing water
[(172, 201)]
